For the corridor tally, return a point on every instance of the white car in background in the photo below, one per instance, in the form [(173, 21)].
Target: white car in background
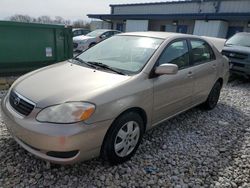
[(83, 42)]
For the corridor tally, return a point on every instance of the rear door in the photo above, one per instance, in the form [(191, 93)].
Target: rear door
[(204, 65), (173, 93)]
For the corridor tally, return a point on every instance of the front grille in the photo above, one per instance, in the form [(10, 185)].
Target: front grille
[(21, 105), (75, 45), (63, 155), (235, 55), (238, 64)]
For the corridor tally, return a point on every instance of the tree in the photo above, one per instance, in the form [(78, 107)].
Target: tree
[(48, 20), (81, 24), (44, 20), (21, 18)]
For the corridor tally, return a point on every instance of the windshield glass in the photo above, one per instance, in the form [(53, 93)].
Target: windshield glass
[(239, 40), (95, 33), (128, 54)]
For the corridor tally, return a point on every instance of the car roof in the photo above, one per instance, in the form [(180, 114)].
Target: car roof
[(74, 29), (105, 30), (161, 35)]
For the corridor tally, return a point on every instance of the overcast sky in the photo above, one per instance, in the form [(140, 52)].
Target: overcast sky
[(68, 9)]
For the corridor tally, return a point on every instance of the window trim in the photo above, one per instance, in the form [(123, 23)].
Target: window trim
[(170, 43), (213, 58)]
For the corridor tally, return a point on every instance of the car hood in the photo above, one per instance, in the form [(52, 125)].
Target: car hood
[(65, 82), (82, 37), (240, 49)]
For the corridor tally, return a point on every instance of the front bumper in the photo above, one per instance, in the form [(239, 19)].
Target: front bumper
[(57, 143), (240, 68)]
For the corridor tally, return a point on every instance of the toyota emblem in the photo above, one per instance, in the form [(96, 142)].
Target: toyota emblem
[(16, 101)]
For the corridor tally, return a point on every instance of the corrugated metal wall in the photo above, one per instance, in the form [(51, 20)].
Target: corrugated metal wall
[(239, 6), (231, 6), (165, 8)]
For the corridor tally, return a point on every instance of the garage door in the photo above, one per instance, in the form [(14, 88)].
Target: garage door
[(212, 28), (136, 25)]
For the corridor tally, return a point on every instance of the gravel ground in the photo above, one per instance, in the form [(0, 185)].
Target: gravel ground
[(195, 149)]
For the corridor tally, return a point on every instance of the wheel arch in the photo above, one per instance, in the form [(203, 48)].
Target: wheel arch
[(220, 80), (92, 43), (138, 110)]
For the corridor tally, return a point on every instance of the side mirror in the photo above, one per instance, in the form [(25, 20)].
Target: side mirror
[(166, 69), (103, 36)]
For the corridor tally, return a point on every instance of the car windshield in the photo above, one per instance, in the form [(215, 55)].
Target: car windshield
[(128, 54), (95, 33), (239, 40)]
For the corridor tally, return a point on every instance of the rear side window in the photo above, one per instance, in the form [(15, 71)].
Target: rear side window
[(176, 53), (116, 32), (109, 34), (201, 52)]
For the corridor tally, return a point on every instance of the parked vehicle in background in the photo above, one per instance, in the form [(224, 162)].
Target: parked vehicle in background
[(82, 43), (111, 94), (237, 49), (80, 31)]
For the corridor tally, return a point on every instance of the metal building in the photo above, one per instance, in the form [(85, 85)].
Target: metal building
[(215, 18)]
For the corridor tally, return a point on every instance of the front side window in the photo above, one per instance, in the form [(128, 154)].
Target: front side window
[(95, 33), (128, 54), (76, 32), (176, 53), (201, 52)]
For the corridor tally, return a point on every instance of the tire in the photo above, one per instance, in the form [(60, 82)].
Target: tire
[(123, 138), (91, 45), (213, 97)]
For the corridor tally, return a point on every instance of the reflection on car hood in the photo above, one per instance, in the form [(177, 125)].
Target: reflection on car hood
[(65, 82), (240, 49), (82, 37)]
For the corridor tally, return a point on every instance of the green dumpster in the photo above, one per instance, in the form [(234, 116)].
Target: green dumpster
[(28, 46)]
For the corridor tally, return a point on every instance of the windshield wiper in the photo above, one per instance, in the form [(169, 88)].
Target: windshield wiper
[(84, 62), (104, 66)]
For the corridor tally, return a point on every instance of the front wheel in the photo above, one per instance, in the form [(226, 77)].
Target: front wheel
[(123, 138), (213, 97), (91, 45)]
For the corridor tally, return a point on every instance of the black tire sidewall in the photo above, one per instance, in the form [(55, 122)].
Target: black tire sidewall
[(91, 45), (216, 88), (108, 151)]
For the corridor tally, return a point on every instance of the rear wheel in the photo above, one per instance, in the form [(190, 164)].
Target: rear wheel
[(123, 138), (213, 97)]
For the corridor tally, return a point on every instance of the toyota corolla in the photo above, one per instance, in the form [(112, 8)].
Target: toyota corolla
[(101, 102)]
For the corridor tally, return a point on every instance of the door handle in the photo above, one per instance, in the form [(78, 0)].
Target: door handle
[(214, 66)]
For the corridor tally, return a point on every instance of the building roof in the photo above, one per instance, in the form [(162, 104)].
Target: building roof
[(156, 34), (161, 3), (201, 16)]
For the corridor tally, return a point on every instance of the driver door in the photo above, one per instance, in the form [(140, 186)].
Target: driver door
[(173, 93)]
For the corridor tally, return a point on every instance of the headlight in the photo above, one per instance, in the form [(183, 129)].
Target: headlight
[(66, 113)]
